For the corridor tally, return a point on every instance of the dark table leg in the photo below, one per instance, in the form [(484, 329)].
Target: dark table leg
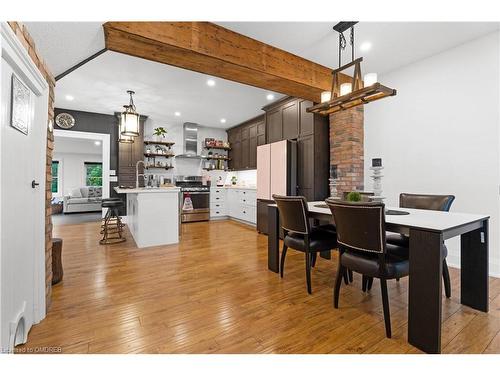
[(273, 239), (424, 294), (474, 268)]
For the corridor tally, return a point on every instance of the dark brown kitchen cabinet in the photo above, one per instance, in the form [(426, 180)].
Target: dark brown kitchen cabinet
[(128, 155), (244, 139), (288, 119), (274, 123)]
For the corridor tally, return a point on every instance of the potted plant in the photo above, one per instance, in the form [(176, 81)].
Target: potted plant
[(353, 196), (160, 134), (234, 179)]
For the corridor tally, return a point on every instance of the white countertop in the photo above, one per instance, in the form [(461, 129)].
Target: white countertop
[(429, 219), (148, 191), (235, 187)]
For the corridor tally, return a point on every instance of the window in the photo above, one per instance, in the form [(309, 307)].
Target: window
[(55, 176), (93, 174)]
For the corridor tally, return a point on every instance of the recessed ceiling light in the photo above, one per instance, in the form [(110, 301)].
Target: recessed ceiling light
[(177, 114), (223, 120), (97, 143), (365, 46), (270, 97), (211, 82), (70, 98)]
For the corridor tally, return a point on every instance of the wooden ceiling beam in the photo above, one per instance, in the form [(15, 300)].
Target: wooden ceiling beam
[(214, 50)]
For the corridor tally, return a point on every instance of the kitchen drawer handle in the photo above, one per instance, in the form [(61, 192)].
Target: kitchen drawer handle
[(217, 205), (244, 212), (217, 198), (217, 212)]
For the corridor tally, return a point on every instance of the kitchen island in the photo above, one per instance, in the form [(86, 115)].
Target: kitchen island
[(153, 215)]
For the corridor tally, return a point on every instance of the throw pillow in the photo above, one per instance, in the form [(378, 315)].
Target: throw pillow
[(75, 193), (85, 192)]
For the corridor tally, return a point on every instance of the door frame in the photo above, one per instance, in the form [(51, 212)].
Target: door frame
[(15, 54), (106, 152)]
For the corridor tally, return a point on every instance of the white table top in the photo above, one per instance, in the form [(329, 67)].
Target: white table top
[(148, 191), (428, 219)]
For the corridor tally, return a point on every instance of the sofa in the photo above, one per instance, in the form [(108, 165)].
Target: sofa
[(83, 199)]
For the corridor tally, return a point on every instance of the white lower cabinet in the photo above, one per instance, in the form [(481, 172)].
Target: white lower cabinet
[(218, 198), (237, 203), (242, 204)]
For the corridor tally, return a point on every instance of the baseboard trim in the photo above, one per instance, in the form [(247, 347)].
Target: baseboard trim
[(454, 261)]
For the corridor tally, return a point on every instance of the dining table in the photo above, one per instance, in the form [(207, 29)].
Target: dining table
[(427, 231)]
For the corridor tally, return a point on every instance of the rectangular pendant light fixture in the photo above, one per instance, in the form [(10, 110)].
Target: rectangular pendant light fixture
[(121, 137), (345, 95), (129, 121)]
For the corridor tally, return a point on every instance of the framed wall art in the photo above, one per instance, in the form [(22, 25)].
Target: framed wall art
[(21, 105)]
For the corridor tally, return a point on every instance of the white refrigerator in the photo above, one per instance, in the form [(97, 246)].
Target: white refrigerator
[(276, 174)]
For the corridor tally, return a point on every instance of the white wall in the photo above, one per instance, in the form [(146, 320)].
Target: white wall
[(72, 170), (185, 167), (440, 134)]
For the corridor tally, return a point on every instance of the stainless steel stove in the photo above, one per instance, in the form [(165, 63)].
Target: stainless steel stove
[(192, 189)]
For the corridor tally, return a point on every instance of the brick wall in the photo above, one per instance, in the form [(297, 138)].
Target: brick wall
[(346, 148), (23, 35)]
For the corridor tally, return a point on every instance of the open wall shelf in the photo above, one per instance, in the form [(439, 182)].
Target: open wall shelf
[(168, 144), (152, 155)]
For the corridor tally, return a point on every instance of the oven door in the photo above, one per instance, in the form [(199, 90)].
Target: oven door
[(201, 206)]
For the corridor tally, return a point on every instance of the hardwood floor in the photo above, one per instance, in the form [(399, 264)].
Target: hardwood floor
[(212, 293)]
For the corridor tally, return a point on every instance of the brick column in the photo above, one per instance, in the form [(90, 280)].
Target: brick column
[(28, 43), (346, 148)]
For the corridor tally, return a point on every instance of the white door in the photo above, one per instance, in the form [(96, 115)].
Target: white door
[(22, 203)]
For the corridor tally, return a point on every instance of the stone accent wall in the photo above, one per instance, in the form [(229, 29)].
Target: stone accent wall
[(25, 38), (346, 148)]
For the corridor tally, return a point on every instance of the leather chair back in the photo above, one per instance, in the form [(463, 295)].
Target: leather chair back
[(426, 201), (293, 213), (360, 225)]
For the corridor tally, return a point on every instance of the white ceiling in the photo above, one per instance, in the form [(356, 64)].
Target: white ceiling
[(100, 85), (65, 44), (161, 90), (393, 44), (76, 146)]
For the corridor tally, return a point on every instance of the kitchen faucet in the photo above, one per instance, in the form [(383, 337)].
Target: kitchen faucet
[(137, 174)]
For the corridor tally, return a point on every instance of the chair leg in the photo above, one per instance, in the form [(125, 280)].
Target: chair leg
[(446, 279), (308, 272), (369, 284), (313, 260), (351, 275), (397, 279), (338, 283), (282, 262), (345, 276), (364, 283), (385, 303)]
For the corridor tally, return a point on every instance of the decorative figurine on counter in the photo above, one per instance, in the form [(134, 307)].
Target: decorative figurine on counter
[(234, 179)]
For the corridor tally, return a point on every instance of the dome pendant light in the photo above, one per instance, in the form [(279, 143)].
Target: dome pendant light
[(121, 137), (129, 124)]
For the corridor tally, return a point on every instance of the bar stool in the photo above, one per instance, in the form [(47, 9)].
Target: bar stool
[(112, 226)]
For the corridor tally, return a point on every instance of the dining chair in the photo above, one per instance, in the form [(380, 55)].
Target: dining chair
[(425, 202), (299, 235), (363, 248)]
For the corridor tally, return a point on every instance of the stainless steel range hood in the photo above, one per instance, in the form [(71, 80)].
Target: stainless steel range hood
[(190, 131)]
